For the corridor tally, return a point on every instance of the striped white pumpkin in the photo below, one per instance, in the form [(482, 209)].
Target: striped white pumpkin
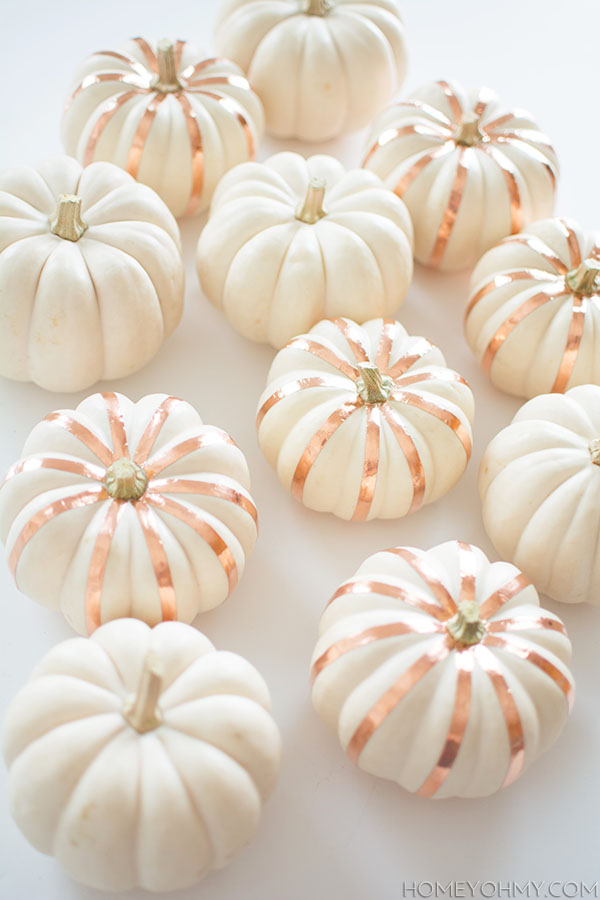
[(439, 670), (470, 171), (127, 509)]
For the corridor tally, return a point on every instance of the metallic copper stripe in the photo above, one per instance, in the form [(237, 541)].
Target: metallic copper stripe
[(95, 444), (510, 173), (89, 80), (389, 331), (292, 387), (365, 587), (148, 52), (153, 429), (169, 455), (179, 485), (411, 454), (483, 99), (516, 739), (406, 362), (533, 153), (492, 604), (39, 519), (134, 63), (368, 636), (178, 50), (572, 242), (503, 279), (117, 425), (541, 248), (111, 106), (452, 207), (97, 568), (231, 80), (235, 110), (443, 375), (317, 443), (423, 161), (191, 71), (388, 702), (457, 110), (368, 480), (571, 351), (458, 726), (426, 108), (498, 121), (393, 133), (159, 559), (193, 518), (525, 623), (444, 415), (354, 336), (196, 150), (468, 572), (324, 353), (73, 466), (532, 656), (419, 564), (136, 149)]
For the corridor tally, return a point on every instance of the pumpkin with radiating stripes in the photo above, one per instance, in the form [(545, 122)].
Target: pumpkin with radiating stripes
[(365, 422), (171, 118), (469, 170), (127, 509), (533, 317), (440, 671)]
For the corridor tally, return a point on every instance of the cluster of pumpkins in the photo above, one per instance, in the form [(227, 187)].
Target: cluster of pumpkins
[(141, 755)]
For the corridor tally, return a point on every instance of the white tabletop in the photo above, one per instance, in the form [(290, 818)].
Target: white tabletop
[(330, 830)]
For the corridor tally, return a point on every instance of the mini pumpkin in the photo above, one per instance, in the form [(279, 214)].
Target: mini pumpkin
[(534, 312), (469, 170), (127, 509), (439, 670), (321, 67), (365, 422), (141, 757), (293, 240), (91, 276), (171, 118), (539, 483)]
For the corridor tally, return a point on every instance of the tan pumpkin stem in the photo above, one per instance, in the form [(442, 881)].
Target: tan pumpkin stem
[(142, 711), (318, 7), (465, 627), (585, 279), (594, 448), (166, 81), (373, 386), (468, 132), (66, 221), (311, 209), (125, 480)]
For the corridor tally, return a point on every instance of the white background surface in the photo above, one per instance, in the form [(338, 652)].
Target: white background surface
[(329, 830)]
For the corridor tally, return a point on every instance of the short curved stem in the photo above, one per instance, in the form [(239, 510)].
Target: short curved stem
[(585, 279), (311, 209), (318, 7), (66, 221), (468, 131), (466, 626), (594, 448), (166, 80), (142, 711), (373, 386)]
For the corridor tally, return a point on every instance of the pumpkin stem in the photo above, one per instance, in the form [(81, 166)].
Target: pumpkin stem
[(318, 7), (311, 209), (594, 448), (125, 480), (66, 221), (468, 131), (142, 711), (465, 627), (373, 386), (166, 81), (585, 279)]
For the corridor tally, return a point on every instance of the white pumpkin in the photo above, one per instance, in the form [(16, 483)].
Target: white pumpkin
[(321, 67), (141, 757), (539, 483), (533, 318), (171, 118), (439, 670), (127, 509), (470, 171), (293, 240), (365, 422), (91, 276)]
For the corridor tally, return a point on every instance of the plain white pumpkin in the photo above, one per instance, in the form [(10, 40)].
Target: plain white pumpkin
[(470, 171), (171, 118), (141, 757), (321, 67), (539, 483), (439, 670), (533, 318), (127, 509), (91, 276), (365, 422), (293, 240)]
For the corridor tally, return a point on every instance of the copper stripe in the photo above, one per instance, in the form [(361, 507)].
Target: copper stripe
[(365, 587), (516, 739), (39, 519), (411, 454), (159, 559), (292, 387), (354, 337), (191, 71), (368, 480), (525, 623), (97, 568), (317, 443), (532, 656), (195, 520), (389, 331), (458, 726), (492, 604), (483, 99), (169, 455), (393, 133), (572, 242), (468, 572), (111, 106), (420, 565), (423, 161), (426, 108), (197, 152), (452, 207), (525, 147), (153, 428), (455, 106), (117, 425), (179, 485), (89, 80), (178, 50), (405, 362), (510, 173), (73, 466), (505, 278), (533, 242), (439, 412), (235, 110), (324, 353), (499, 120), (95, 444), (443, 375), (368, 636), (197, 87), (148, 52), (571, 351), (136, 149), (134, 63), (390, 699)]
